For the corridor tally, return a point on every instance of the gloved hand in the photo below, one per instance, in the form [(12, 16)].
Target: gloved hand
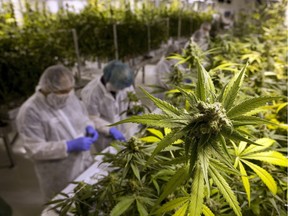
[(79, 144), (92, 133), (117, 134)]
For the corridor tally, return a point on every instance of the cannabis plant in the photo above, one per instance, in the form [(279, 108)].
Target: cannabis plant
[(206, 126), (244, 157), (134, 105), (130, 188)]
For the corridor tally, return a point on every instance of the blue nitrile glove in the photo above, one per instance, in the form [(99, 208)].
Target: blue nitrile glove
[(117, 134), (187, 80), (92, 133), (79, 144)]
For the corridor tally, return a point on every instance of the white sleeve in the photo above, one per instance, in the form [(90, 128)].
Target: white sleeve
[(100, 124), (32, 133)]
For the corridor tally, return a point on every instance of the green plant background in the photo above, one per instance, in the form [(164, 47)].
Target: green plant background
[(217, 149), (45, 39)]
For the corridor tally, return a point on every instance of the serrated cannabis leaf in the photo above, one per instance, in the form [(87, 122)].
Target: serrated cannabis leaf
[(225, 190), (122, 206), (264, 175), (249, 105)]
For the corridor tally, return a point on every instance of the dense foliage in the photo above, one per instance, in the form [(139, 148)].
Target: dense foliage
[(45, 39), (219, 147)]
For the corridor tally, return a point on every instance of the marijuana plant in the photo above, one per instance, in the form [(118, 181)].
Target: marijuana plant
[(244, 155), (207, 126)]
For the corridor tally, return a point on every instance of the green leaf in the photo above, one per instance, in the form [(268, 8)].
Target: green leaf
[(204, 162), (156, 185), (249, 105), (222, 141), (55, 201), (241, 147), (193, 154), (178, 160), (204, 87), (263, 143), (167, 140), (225, 66), (190, 96), (264, 176), (179, 177), (66, 195), (167, 131), (221, 93), (250, 120), (150, 139), (245, 181), (141, 209), (155, 120), (163, 105), (225, 189), (183, 121), (232, 89), (65, 209), (206, 211), (272, 157), (235, 135), (155, 132), (276, 206), (122, 206), (221, 167), (173, 204), (197, 193), (281, 106), (216, 151), (181, 211), (135, 171)]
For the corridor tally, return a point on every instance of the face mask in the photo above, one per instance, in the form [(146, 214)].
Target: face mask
[(110, 87), (58, 101)]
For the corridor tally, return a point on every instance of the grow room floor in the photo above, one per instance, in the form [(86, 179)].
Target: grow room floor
[(18, 186)]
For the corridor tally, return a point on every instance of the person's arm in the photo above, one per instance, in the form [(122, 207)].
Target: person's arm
[(88, 120), (100, 124), (32, 133), (90, 99), (197, 36)]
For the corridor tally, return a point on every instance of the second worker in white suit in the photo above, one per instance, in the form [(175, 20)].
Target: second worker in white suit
[(106, 100)]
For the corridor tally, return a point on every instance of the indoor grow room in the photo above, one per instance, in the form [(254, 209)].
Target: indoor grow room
[(218, 143)]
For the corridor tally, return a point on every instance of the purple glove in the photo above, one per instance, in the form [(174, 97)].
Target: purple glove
[(117, 134), (92, 133), (79, 144)]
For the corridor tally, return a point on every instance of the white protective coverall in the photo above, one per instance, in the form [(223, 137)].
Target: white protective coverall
[(104, 110), (45, 131), (163, 68), (201, 37)]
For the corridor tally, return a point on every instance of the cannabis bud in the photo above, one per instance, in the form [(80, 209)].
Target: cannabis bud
[(209, 119)]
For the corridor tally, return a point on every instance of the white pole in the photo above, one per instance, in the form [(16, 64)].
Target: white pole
[(115, 41), (76, 46), (18, 11), (157, 3)]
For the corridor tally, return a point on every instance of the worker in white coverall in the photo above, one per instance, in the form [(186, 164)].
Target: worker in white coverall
[(56, 131), (106, 100), (201, 37), (165, 66)]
